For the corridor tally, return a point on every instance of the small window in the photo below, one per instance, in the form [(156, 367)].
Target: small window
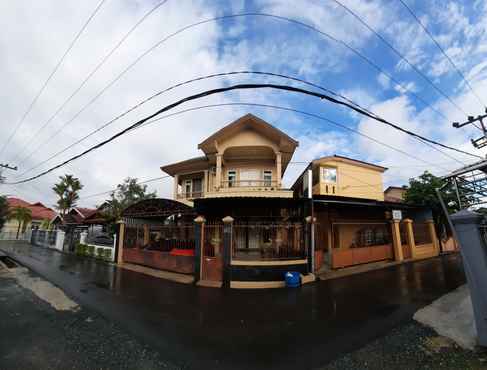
[(187, 186), (232, 178), (267, 178), (329, 174)]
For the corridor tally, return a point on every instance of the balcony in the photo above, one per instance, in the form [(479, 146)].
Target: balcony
[(250, 188), (190, 195)]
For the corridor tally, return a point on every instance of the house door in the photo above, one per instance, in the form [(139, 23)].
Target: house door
[(249, 177)]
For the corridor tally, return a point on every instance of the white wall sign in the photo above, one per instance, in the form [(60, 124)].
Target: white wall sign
[(396, 214)]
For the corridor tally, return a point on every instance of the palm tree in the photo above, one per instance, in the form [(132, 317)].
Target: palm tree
[(67, 190), (45, 224), (22, 215)]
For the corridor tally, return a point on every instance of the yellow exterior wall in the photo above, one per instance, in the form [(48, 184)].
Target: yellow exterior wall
[(246, 138), (354, 181)]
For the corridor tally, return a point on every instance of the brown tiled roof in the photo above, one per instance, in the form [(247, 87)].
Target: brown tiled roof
[(39, 211)]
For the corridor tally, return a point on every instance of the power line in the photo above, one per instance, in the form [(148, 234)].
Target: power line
[(231, 16), (294, 111), (402, 57), (88, 77), (194, 80), (43, 87), (460, 73), (231, 88), (112, 190)]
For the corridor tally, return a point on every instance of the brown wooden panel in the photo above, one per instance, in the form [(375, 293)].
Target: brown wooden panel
[(159, 260), (342, 258), (212, 268)]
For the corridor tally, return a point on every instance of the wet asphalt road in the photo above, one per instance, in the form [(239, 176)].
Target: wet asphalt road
[(211, 328)]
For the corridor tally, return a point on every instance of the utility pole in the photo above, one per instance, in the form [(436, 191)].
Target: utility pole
[(8, 167), (481, 141)]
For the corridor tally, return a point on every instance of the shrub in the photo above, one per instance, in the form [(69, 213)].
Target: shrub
[(100, 253), (91, 250), (79, 250), (108, 254)]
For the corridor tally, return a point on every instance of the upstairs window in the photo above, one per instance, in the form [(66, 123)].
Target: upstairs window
[(188, 185), (267, 178), (232, 178), (329, 174)]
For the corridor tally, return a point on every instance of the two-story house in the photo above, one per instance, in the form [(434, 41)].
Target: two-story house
[(246, 158)]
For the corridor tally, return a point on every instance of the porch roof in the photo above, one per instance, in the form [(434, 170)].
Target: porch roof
[(345, 201), (157, 207)]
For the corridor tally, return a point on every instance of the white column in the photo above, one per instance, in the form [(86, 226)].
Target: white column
[(176, 183), (82, 237), (60, 240), (218, 178)]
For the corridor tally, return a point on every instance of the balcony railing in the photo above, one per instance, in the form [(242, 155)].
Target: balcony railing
[(249, 184), (191, 195)]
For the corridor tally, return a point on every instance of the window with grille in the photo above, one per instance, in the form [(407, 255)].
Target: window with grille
[(267, 178)]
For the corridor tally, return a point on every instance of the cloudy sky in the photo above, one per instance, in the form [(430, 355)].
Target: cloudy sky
[(35, 35)]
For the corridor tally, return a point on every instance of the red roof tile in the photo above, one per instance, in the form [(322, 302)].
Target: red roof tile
[(39, 211)]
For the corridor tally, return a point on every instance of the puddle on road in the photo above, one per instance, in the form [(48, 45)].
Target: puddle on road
[(42, 289)]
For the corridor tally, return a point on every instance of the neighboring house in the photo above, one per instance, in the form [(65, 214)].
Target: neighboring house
[(76, 216), (395, 194), (39, 213), (268, 229), (354, 217)]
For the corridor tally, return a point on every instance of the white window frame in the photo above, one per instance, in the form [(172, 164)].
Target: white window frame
[(231, 182), (186, 183), (266, 182), (322, 175)]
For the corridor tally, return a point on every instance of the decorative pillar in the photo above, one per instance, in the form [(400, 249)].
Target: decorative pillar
[(82, 237), (227, 250), (434, 238), (278, 169), (310, 242), (121, 238), (396, 241), (176, 186), (410, 237), (146, 234), (218, 175), (59, 240), (199, 237)]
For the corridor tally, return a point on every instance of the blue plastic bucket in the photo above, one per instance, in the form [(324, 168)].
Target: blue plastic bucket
[(293, 279)]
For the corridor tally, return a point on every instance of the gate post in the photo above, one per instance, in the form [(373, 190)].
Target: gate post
[(309, 242), (199, 230), (396, 241), (410, 236), (227, 250), (121, 237), (474, 257), (434, 238)]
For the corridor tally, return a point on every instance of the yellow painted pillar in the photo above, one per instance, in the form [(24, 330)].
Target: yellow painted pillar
[(434, 238), (146, 234), (410, 236), (396, 241), (278, 169), (121, 237), (176, 186)]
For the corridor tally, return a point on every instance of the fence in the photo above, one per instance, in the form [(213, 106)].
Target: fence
[(44, 238), (11, 234), (422, 233), (162, 238), (268, 241)]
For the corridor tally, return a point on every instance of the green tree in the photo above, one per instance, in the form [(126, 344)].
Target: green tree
[(45, 224), (127, 193), (22, 215), (3, 211), (67, 189), (422, 192)]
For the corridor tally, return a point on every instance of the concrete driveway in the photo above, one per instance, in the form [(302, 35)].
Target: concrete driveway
[(206, 328)]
